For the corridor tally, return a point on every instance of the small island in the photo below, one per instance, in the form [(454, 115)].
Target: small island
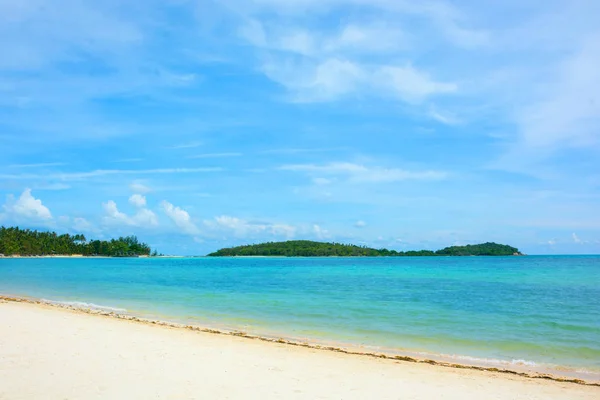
[(29, 243), (307, 248)]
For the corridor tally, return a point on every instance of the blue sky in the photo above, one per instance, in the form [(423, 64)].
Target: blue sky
[(390, 123)]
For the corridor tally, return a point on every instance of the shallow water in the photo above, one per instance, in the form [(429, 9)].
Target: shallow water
[(535, 311)]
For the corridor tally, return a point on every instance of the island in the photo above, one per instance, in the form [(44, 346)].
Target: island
[(27, 243), (308, 248)]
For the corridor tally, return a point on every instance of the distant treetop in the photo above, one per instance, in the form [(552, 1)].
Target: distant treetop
[(25, 242), (307, 248)]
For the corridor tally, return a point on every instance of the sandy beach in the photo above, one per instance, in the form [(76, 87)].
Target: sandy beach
[(53, 353)]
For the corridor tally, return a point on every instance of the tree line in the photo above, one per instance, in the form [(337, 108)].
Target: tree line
[(26, 242), (307, 248)]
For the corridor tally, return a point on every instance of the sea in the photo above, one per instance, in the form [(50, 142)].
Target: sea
[(538, 313)]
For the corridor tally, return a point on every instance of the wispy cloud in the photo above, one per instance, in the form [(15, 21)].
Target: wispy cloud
[(188, 145), (364, 174), (567, 113), (299, 150), (410, 84), (216, 155), (83, 225), (51, 186), (560, 114), (74, 176), (321, 65), (443, 117), (129, 160), (138, 187), (334, 78), (242, 228), (37, 165), (578, 240), (43, 66), (320, 232)]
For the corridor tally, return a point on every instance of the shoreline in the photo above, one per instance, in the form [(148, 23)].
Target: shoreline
[(57, 353), (290, 342), (77, 256)]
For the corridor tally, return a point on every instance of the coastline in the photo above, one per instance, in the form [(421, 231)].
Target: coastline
[(81, 256), (82, 355), (114, 313), (55, 256)]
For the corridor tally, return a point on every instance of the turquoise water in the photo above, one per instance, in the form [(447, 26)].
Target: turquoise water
[(537, 311)]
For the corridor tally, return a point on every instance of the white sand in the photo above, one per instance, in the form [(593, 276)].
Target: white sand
[(51, 353)]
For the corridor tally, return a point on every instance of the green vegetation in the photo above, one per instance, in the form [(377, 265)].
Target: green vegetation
[(25, 242), (484, 249), (307, 248)]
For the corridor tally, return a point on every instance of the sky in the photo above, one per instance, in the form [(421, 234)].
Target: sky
[(199, 124)]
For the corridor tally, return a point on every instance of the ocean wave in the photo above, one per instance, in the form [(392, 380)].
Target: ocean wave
[(524, 362), (84, 305), (494, 361)]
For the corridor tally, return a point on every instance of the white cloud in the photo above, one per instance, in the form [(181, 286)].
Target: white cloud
[(143, 218), (326, 80), (27, 206), (462, 37), (442, 20), (113, 213), (128, 160), (362, 174), (360, 224), (295, 41), (410, 84), (316, 64), (254, 33), (216, 155), (320, 233), (36, 63), (50, 39), (322, 181), (577, 240), (37, 165), (567, 113), (354, 38), (51, 186), (333, 78), (294, 150), (181, 218), (243, 228), (189, 145), (63, 101), (82, 225), (139, 187), (300, 42), (137, 200), (77, 176), (444, 117)]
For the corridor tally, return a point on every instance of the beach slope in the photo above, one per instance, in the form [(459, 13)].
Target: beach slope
[(52, 353)]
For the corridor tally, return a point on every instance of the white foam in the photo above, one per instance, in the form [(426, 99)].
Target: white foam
[(85, 306), (491, 361), (524, 362)]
